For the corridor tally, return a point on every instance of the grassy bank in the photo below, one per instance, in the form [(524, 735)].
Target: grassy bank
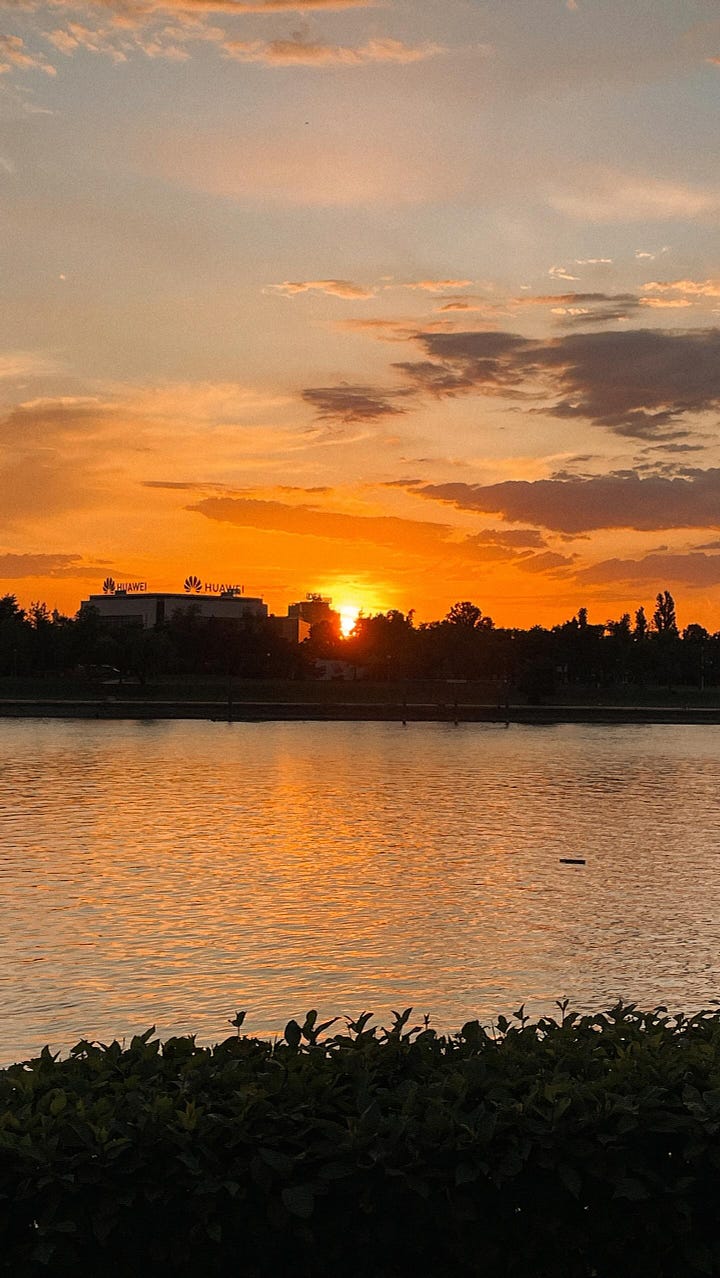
[(360, 692), (572, 1147), (416, 700)]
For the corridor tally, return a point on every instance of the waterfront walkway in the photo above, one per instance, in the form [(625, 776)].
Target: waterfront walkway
[(411, 712)]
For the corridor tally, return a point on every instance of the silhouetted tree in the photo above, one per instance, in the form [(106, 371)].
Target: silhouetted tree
[(641, 625), (325, 641), (10, 609), (465, 613), (385, 644), (15, 637), (664, 619), (695, 633), (464, 645), (620, 629)]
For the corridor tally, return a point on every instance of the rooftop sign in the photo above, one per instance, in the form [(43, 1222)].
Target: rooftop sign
[(112, 587), (194, 585)]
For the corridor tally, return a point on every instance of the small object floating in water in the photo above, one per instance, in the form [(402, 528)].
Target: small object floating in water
[(572, 860)]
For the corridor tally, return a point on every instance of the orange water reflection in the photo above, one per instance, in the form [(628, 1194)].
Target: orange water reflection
[(169, 873)]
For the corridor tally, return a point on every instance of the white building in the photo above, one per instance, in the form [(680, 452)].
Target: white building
[(132, 604)]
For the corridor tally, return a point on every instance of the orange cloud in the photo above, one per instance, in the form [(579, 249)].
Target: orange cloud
[(665, 303), (81, 453), (335, 288), (416, 539), (394, 330), (14, 55), (27, 364), (129, 9), (118, 44), (299, 52), (416, 536), (694, 288), (435, 286)]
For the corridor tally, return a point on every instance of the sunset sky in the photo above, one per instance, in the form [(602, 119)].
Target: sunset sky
[(404, 302)]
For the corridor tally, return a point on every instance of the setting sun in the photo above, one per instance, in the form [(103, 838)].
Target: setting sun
[(348, 616)]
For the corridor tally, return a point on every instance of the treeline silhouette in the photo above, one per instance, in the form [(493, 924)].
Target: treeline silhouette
[(633, 651)]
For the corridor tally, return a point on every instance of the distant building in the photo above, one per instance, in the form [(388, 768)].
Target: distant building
[(339, 671), (314, 609), (291, 629), (132, 604)]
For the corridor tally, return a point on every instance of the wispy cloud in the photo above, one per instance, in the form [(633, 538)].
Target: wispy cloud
[(314, 53), (314, 521), (409, 538), (644, 255), (85, 452), (76, 36), (584, 308), (168, 30), (17, 566), (603, 195), (666, 303), (348, 403), (335, 288), (15, 56), (27, 364), (434, 286), (131, 9), (691, 288), (561, 273)]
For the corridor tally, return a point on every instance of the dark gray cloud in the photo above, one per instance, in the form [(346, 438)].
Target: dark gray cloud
[(576, 505), (298, 488), (515, 538), (347, 403), (691, 569), (579, 309), (486, 361), (613, 311), (575, 299), (14, 566), (547, 562), (640, 383), (653, 449)]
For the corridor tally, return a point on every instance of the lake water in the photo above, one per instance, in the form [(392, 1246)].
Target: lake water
[(169, 873)]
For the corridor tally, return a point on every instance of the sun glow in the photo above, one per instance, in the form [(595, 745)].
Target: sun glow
[(348, 616)]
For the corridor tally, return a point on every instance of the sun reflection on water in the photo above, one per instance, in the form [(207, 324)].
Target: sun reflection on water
[(168, 873)]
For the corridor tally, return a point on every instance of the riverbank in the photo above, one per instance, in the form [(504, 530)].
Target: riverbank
[(231, 710)]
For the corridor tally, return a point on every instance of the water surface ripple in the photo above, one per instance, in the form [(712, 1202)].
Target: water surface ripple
[(170, 872)]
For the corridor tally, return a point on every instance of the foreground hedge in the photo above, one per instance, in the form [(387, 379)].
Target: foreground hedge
[(583, 1146)]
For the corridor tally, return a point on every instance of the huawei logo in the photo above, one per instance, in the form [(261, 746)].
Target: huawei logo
[(193, 584), (109, 586)]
